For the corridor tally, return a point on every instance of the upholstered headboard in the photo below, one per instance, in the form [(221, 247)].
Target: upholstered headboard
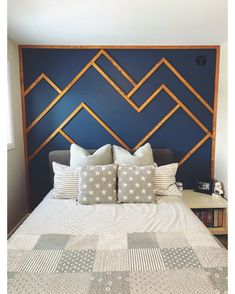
[(161, 157)]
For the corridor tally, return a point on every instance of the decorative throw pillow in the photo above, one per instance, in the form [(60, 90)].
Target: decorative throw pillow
[(165, 182), (143, 156), (97, 184), (81, 157), (65, 181), (136, 183)]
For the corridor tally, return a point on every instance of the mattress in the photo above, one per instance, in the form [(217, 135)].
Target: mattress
[(64, 247)]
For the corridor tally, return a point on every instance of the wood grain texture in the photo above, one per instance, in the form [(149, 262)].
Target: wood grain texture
[(194, 149), (38, 79), (215, 112), (118, 67), (64, 123), (23, 109), (61, 94), (158, 125)]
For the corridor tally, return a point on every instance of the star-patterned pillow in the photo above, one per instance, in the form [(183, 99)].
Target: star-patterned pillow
[(136, 183), (97, 184)]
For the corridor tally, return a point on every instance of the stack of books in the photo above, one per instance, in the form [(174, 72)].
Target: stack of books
[(211, 218)]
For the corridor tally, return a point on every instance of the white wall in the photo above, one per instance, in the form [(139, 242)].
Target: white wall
[(16, 195), (221, 151)]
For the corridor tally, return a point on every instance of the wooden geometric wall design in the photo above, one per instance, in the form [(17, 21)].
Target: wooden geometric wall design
[(128, 98)]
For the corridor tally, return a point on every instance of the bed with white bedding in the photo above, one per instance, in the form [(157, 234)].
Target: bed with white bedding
[(64, 247)]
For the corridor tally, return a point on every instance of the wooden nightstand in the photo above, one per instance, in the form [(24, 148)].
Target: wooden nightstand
[(195, 200)]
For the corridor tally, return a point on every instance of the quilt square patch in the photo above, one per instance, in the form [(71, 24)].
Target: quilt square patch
[(72, 283), (142, 240), (150, 282), (211, 256), (201, 239), (149, 259), (112, 241), (172, 240), (190, 280), (179, 258), (82, 242), (51, 241), (111, 260), (23, 242), (219, 278), (110, 282), (15, 258), (76, 261), (40, 261)]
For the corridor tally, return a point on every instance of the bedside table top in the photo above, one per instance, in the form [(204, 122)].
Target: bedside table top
[(199, 200)]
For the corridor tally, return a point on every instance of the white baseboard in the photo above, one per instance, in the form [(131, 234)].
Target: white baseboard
[(17, 226)]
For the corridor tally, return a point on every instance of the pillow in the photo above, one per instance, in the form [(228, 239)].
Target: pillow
[(136, 183), (80, 156), (165, 182), (97, 184), (65, 181), (143, 156)]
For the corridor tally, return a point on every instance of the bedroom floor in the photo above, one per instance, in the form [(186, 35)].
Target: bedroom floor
[(223, 239)]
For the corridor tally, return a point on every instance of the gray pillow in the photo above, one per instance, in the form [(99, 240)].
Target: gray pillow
[(136, 183), (97, 184), (143, 156), (81, 157)]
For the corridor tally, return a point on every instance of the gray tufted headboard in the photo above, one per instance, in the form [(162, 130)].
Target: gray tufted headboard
[(161, 157)]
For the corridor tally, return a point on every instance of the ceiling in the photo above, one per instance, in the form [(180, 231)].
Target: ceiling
[(118, 22)]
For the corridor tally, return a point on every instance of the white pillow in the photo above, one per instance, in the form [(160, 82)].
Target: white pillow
[(164, 180), (143, 156), (65, 181), (80, 156)]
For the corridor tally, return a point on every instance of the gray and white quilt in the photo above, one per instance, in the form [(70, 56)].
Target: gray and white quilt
[(136, 263)]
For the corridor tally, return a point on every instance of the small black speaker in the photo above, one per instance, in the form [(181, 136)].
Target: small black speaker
[(201, 60)]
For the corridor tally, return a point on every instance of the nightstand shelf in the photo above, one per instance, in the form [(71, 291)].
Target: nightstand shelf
[(195, 200)]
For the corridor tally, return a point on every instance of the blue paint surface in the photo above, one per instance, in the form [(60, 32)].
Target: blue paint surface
[(179, 133)]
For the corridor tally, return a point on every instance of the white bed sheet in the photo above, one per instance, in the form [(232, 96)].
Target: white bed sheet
[(65, 217)]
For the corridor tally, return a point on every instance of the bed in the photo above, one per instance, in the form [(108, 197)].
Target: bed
[(65, 247)]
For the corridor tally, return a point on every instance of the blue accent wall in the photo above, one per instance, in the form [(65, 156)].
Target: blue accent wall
[(179, 132)]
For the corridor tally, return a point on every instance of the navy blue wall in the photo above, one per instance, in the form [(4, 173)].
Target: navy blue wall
[(179, 133)]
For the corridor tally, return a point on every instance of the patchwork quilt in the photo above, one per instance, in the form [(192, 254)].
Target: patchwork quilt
[(135, 263)]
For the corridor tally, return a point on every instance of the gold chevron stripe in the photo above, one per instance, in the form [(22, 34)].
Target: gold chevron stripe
[(77, 77), (62, 125), (158, 125), (179, 76), (38, 79), (118, 67), (194, 149), (71, 141)]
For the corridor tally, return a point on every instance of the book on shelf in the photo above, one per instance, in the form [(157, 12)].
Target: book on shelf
[(211, 217)]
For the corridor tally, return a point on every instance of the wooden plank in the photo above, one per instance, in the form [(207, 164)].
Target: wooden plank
[(107, 78), (156, 66), (106, 127), (183, 80), (53, 134), (150, 133), (38, 79), (70, 140), (61, 94), (118, 67), (181, 47), (194, 149), (193, 117), (215, 112), (61, 126), (150, 98), (23, 107)]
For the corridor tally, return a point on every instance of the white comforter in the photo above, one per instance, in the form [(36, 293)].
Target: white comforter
[(66, 217)]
